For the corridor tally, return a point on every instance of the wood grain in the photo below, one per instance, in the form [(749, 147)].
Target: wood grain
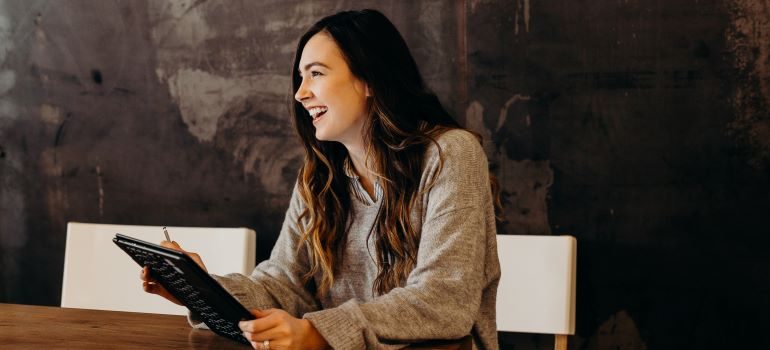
[(46, 327), (43, 327), (560, 342)]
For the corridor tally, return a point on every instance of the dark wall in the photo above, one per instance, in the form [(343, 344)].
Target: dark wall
[(642, 128)]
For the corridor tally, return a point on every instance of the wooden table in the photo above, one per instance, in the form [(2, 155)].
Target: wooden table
[(46, 327)]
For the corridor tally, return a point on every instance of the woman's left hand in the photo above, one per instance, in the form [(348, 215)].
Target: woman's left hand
[(282, 331)]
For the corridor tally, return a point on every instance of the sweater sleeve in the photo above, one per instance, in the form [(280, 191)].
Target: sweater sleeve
[(441, 296), (276, 282)]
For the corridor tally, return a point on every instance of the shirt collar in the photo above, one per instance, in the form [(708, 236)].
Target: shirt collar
[(347, 167), (358, 189)]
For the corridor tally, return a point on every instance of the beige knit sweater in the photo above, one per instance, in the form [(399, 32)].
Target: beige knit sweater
[(449, 294)]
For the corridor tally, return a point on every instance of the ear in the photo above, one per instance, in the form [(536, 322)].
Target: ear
[(368, 91)]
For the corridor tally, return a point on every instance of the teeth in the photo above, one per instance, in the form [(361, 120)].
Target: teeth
[(316, 111)]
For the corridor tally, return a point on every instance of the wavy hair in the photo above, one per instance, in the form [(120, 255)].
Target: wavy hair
[(405, 117)]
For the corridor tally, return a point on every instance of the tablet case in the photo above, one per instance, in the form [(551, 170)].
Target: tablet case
[(190, 284)]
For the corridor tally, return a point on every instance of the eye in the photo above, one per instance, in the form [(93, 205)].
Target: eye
[(315, 74)]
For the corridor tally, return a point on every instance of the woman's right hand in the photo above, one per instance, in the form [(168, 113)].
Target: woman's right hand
[(150, 285)]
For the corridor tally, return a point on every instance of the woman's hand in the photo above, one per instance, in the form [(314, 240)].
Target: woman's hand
[(150, 285), (283, 331)]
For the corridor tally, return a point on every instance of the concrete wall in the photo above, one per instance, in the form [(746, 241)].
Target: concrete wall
[(642, 128)]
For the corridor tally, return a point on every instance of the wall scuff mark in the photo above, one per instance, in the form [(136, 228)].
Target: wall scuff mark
[(249, 135), (504, 111), (202, 98), (748, 40), (100, 186), (524, 183), (7, 76), (619, 332), (522, 14)]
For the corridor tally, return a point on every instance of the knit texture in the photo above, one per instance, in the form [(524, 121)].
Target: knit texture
[(451, 291)]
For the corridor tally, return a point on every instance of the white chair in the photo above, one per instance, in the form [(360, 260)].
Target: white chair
[(536, 293), (99, 275)]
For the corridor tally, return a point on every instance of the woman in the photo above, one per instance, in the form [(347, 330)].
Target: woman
[(389, 237)]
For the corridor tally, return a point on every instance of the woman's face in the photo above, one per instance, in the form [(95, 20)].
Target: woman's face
[(334, 97)]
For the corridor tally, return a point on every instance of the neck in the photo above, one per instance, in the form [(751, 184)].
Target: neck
[(358, 158)]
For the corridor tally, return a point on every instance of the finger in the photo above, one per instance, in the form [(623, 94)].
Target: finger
[(256, 344), (258, 325), (151, 288), (262, 313), (156, 288), (145, 275), (271, 334), (175, 246), (172, 245), (195, 257)]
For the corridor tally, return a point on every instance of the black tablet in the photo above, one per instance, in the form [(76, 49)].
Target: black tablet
[(190, 284)]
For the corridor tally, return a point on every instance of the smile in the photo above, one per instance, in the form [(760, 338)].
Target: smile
[(317, 112)]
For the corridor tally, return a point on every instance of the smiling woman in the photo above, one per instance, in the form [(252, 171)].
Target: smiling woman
[(390, 234), (335, 98)]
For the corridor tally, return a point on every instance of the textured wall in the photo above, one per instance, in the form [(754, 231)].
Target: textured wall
[(642, 128)]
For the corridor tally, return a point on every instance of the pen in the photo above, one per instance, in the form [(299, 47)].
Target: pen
[(166, 233)]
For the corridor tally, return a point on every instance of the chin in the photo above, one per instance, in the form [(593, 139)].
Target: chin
[(320, 136)]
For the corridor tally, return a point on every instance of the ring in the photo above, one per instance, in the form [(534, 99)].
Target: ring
[(266, 344)]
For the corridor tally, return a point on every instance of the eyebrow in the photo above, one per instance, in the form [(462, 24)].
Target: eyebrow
[(316, 63)]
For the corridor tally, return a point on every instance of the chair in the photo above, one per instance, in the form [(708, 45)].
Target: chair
[(98, 275), (536, 293)]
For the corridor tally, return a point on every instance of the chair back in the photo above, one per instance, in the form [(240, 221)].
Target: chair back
[(99, 275), (536, 293)]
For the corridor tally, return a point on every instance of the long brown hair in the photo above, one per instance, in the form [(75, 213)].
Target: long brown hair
[(405, 117)]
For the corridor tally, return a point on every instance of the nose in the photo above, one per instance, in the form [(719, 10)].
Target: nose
[(303, 93)]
